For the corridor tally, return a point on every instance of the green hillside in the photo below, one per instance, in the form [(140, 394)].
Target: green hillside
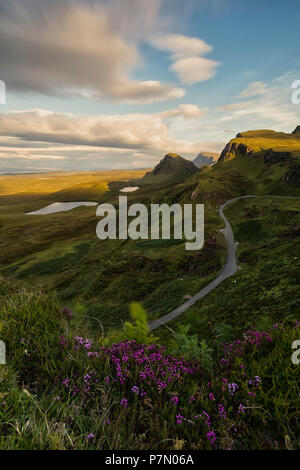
[(255, 162), (171, 169)]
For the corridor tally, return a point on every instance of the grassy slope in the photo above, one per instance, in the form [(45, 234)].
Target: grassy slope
[(61, 253), (249, 174), (173, 171), (266, 139), (49, 183), (53, 395), (266, 289)]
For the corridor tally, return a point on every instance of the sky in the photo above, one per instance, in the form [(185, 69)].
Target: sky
[(113, 84)]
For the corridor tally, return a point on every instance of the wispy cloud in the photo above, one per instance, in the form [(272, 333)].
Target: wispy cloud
[(186, 54), (188, 111), (235, 106), (254, 89), (271, 108), (63, 47)]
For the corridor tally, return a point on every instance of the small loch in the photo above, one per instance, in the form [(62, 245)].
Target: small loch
[(129, 189), (60, 207)]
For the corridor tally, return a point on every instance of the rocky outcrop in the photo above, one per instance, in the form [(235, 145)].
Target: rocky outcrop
[(297, 130), (232, 148), (272, 156), (170, 164), (171, 167), (293, 175), (204, 158)]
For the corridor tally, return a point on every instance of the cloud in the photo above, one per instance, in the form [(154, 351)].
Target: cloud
[(186, 54), (273, 108), (182, 46), (188, 111), (72, 47), (138, 18), (194, 69), (235, 106), (254, 89), (116, 140)]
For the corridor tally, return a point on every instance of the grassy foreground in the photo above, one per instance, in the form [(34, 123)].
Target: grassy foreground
[(62, 389)]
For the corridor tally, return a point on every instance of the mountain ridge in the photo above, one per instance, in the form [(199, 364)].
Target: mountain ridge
[(253, 162), (171, 167), (205, 158)]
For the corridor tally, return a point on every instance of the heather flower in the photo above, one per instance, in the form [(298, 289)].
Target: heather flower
[(63, 342), (241, 408), (88, 344), (211, 437), (135, 390), (90, 436), (67, 313), (211, 397), (207, 421), (124, 402), (225, 362), (179, 418), (75, 390), (255, 382), (92, 354), (175, 400), (232, 387), (66, 382), (222, 411)]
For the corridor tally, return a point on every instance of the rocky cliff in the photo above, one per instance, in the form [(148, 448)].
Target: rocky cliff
[(205, 158)]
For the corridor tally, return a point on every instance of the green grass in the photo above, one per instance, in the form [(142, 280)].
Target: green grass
[(44, 411), (266, 139), (56, 265), (250, 231), (43, 252), (267, 284), (249, 174)]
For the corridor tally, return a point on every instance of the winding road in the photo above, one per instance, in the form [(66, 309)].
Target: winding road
[(229, 268)]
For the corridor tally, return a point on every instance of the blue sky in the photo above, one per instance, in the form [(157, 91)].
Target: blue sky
[(119, 83)]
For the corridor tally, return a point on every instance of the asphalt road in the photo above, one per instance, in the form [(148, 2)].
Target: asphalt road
[(228, 269)]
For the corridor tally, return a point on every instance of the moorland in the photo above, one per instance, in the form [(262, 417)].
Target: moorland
[(83, 369)]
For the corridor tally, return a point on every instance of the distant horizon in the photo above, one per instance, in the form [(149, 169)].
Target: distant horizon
[(18, 171), (61, 170)]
